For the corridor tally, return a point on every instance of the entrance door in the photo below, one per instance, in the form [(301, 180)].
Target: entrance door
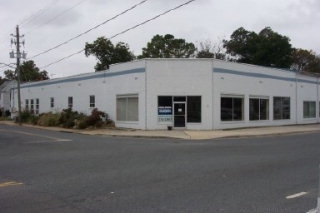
[(179, 114)]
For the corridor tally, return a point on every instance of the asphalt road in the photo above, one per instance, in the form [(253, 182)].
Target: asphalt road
[(46, 171)]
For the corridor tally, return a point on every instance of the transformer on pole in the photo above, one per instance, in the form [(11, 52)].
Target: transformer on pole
[(18, 55)]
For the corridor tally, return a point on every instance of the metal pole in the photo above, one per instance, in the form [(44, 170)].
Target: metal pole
[(18, 73)]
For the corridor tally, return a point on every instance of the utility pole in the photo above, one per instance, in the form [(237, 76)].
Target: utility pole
[(18, 55)]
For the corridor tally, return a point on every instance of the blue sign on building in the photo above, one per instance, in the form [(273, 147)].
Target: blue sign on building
[(167, 110)]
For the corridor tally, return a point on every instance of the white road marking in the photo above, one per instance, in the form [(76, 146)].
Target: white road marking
[(312, 211), (296, 195)]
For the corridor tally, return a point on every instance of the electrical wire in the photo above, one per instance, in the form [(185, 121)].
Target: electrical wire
[(124, 31), (37, 14), (89, 30), (57, 16)]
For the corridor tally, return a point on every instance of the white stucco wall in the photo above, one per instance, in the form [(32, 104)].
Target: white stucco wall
[(150, 78), (123, 79), (179, 77), (252, 81), (307, 90)]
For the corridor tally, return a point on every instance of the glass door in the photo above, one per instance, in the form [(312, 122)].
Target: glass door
[(179, 114)]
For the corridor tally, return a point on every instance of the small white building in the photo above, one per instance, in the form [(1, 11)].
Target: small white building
[(5, 89), (198, 94)]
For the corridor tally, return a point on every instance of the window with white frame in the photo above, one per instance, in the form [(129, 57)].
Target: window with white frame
[(70, 102), (31, 106), (37, 106), (258, 109), (231, 108), (281, 108), (92, 101), (309, 109), (26, 105), (127, 108), (52, 102)]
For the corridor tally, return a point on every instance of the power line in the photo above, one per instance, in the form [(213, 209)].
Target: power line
[(89, 30), (57, 16), (37, 14), (124, 31), (33, 16)]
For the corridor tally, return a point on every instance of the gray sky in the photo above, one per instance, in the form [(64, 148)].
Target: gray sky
[(47, 23)]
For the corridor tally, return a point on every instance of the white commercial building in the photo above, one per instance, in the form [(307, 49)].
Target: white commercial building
[(5, 89), (199, 94)]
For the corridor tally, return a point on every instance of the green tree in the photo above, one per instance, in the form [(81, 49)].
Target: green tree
[(305, 60), (267, 48), (108, 53), (28, 72), (168, 47)]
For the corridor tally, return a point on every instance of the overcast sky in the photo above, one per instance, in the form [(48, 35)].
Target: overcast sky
[(47, 23)]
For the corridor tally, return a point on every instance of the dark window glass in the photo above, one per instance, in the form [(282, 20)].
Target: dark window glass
[(179, 98), (259, 109), (264, 109), (51, 102), (92, 101), (237, 109), (231, 109), (32, 106), (165, 101), (27, 105), (254, 109), (194, 109), (164, 105), (70, 102), (37, 106), (281, 108), (309, 109)]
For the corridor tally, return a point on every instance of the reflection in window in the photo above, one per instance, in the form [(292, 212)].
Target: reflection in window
[(309, 109), (281, 108), (231, 109), (259, 109), (70, 102), (194, 109), (92, 101)]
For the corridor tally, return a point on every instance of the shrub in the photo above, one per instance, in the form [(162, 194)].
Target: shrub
[(7, 113), (69, 118), (28, 117), (81, 124), (95, 119), (49, 119)]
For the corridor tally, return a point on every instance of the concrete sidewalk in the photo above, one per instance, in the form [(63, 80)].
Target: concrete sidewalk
[(189, 134), (202, 134)]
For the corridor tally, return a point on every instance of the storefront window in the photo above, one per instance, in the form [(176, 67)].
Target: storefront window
[(194, 109), (231, 109), (309, 109), (281, 108), (259, 109), (127, 108), (165, 109)]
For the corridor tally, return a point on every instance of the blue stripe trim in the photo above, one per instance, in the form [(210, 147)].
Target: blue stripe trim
[(82, 78), (260, 75)]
